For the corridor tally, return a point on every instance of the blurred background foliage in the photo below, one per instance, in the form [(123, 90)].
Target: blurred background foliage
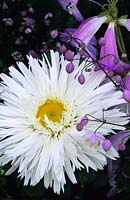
[(16, 41)]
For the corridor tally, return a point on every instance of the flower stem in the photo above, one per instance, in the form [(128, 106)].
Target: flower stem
[(121, 44)]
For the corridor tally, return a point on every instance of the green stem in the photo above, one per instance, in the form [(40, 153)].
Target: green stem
[(118, 40), (121, 44)]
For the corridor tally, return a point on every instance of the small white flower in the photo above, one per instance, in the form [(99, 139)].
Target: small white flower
[(42, 106)]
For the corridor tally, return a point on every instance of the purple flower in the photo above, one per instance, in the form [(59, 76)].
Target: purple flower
[(109, 58), (66, 36), (70, 6), (31, 10), (28, 30), (29, 21), (93, 137), (120, 138), (48, 15), (109, 50), (84, 34), (8, 21)]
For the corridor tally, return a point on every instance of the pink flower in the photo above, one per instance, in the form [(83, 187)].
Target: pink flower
[(109, 51)]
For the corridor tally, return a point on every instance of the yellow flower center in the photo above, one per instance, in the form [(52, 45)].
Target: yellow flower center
[(53, 109)]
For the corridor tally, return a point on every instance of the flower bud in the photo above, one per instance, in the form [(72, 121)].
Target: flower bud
[(54, 33), (31, 10), (106, 145), (62, 48), (69, 68), (101, 41), (122, 147), (116, 60), (81, 79), (118, 78), (69, 55), (32, 53), (79, 127), (84, 120)]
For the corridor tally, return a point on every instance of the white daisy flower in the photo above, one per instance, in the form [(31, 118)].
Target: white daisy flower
[(42, 105)]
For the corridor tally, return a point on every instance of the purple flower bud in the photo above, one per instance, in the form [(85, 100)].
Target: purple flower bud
[(106, 145), (126, 95), (31, 10), (84, 120), (69, 68), (122, 147), (54, 33), (62, 48), (118, 78), (116, 60), (101, 41), (69, 55), (32, 53), (28, 30), (79, 127), (23, 13), (110, 73), (81, 79)]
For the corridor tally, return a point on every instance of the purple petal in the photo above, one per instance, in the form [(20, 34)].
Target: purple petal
[(70, 6), (76, 13), (126, 23), (109, 50), (120, 137), (67, 35), (94, 139), (88, 28), (126, 82)]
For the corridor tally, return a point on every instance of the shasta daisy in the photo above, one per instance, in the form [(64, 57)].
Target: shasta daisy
[(42, 105)]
